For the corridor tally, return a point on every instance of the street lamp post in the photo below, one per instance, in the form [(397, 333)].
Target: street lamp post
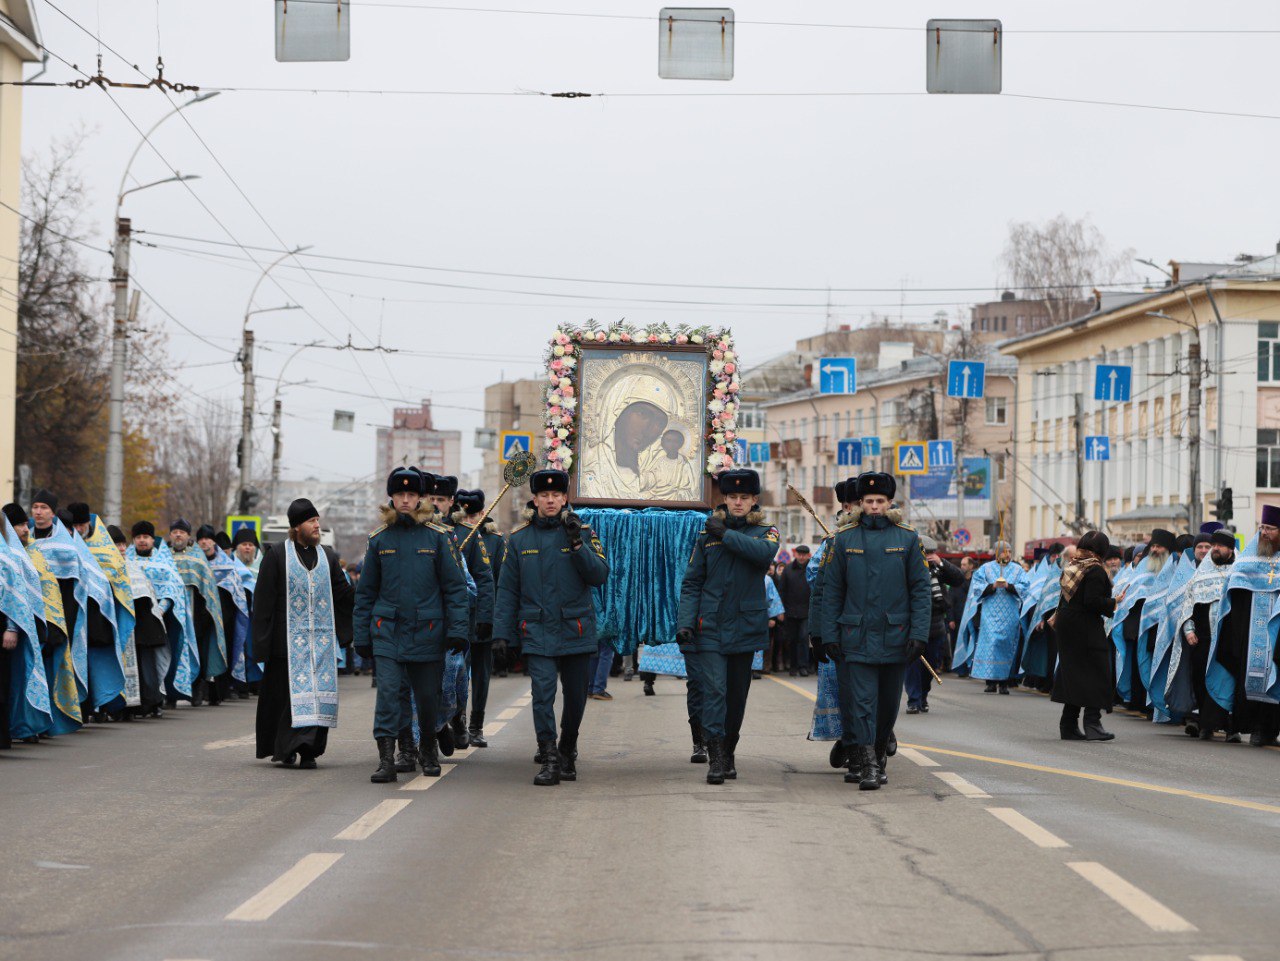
[(277, 442), (246, 363), (113, 489)]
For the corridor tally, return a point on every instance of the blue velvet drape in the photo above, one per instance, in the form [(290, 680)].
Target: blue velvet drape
[(647, 551)]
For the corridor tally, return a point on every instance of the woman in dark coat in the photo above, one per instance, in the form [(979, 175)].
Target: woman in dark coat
[(1085, 677)]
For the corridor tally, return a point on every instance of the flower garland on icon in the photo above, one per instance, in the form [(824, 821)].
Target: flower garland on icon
[(723, 383)]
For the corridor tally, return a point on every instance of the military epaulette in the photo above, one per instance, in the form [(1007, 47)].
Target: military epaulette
[(520, 528), (374, 533), (848, 526), (438, 528), (905, 527)]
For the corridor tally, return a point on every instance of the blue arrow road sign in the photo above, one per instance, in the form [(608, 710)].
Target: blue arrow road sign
[(760, 453), (849, 453), (966, 378), (1097, 448), (871, 446), (740, 451), (838, 375), (1112, 382), (942, 453)]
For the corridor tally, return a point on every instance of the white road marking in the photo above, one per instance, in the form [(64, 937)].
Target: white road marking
[(284, 888), (460, 753), (960, 784), (60, 866), (1138, 903), (493, 727), (372, 819), (231, 742), (915, 757), (1028, 828), (523, 701), (423, 783), (508, 714), (1216, 957)]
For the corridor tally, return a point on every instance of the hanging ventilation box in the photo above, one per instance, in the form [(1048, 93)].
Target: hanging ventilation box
[(311, 31), (963, 56), (695, 43)]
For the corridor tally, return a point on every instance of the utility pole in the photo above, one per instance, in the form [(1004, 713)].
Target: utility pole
[(275, 451), (1194, 505), (113, 495), (1079, 461), (246, 410), (1102, 464)]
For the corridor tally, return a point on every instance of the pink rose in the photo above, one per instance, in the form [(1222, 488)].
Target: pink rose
[(682, 339), (553, 377), (718, 354), (730, 367), (554, 412), (733, 388), (567, 420), (562, 339), (568, 349), (626, 337), (600, 336), (730, 435), (555, 442), (567, 391), (718, 394), (653, 338), (557, 366), (550, 433)]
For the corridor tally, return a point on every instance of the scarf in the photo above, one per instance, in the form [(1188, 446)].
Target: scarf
[(1075, 573)]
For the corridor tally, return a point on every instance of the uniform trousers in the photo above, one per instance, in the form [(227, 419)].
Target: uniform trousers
[(481, 670), (394, 680), (574, 677), (722, 683), (917, 680), (869, 698)]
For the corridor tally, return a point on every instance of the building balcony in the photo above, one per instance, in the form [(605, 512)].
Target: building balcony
[(824, 496)]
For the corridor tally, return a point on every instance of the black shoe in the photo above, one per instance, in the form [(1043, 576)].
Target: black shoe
[(1192, 729), (913, 708), (307, 764), (839, 756), (924, 707), (1232, 737), (699, 754), (407, 759), (882, 768), (540, 757), (755, 675), (568, 765), (863, 770), (386, 772), (429, 758), (444, 738), (550, 773), (648, 689), (730, 768), (892, 748), (475, 732), (459, 728), (1070, 732), (990, 688), (1003, 688), (1206, 734), (290, 760), (1093, 732), (792, 673), (715, 761), (804, 672), (1256, 739)]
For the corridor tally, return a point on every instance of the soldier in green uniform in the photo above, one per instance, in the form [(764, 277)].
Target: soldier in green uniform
[(442, 493), (470, 507), (875, 619), (724, 617), (544, 604), (411, 604)]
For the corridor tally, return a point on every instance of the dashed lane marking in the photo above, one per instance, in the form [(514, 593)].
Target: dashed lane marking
[(231, 742), (508, 714), (1104, 779), (493, 727), (372, 819), (1028, 828), (284, 888), (424, 783), (915, 757), (1137, 902), (1216, 957), (960, 784)]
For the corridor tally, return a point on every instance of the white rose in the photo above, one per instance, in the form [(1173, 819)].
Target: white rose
[(562, 433), (558, 350)]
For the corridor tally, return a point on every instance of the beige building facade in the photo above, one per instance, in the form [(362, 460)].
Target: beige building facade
[(1233, 313), (511, 405), (19, 45)]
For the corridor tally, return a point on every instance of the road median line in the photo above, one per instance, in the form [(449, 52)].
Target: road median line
[(363, 826), (284, 888), (1137, 902)]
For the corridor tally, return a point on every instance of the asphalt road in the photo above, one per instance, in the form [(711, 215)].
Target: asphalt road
[(165, 839)]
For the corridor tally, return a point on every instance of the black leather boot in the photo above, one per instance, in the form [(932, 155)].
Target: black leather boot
[(990, 688), (882, 764), (568, 761), (839, 756), (429, 758), (444, 738), (475, 732), (459, 727), (699, 755), (1069, 724), (715, 763), (1093, 727), (863, 769), (550, 773), (730, 771), (386, 772), (407, 758)]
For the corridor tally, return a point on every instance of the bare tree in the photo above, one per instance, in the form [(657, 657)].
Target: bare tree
[(1059, 261), (197, 461)]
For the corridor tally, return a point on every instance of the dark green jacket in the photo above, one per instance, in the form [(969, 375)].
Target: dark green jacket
[(722, 598), (814, 624), (544, 596), (477, 560), (496, 547), (413, 594), (875, 589)]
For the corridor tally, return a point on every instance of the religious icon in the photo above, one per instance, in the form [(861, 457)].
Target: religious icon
[(643, 439)]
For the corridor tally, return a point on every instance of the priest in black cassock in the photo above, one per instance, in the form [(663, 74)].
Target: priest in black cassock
[(301, 615)]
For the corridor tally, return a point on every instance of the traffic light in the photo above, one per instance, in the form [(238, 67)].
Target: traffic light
[(249, 498), (1222, 507)]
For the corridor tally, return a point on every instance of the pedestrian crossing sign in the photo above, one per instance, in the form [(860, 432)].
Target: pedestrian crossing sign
[(236, 521), (512, 443), (911, 459)]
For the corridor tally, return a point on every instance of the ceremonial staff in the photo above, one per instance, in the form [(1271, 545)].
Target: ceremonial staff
[(516, 474), (826, 530)]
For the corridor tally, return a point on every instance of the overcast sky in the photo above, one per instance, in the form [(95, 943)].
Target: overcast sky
[(893, 191)]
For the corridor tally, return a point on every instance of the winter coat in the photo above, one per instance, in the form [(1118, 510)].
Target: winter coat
[(413, 598), (544, 595), (1086, 656), (722, 597), (875, 590), (794, 588)]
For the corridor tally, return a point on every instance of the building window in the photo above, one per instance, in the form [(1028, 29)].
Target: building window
[(1268, 352), (888, 413), (1000, 467), (1268, 459), (997, 410)]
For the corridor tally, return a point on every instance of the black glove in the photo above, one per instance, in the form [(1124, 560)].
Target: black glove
[(573, 527), (915, 649), (684, 636), (818, 648), (499, 646), (990, 589), (716, 525), (457, 645), (1011, 589), (484, 632), (365, 652)]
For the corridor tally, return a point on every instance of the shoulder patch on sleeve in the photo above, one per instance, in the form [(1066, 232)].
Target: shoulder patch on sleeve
[(771, 535)]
